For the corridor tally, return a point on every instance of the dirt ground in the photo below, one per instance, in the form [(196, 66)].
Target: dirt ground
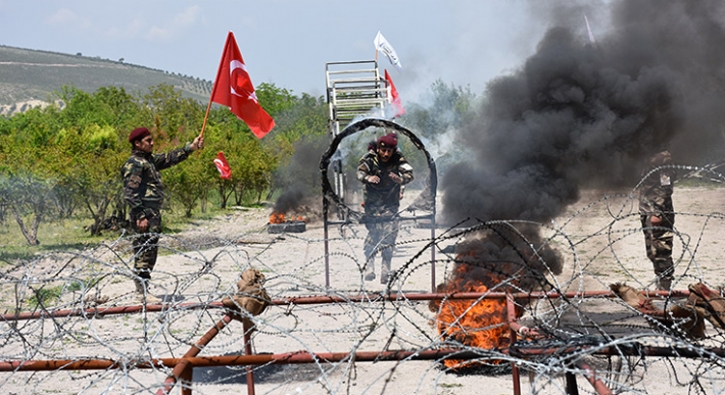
[(599, 238)]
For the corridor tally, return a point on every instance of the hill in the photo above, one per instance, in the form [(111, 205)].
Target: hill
[(29, 77)]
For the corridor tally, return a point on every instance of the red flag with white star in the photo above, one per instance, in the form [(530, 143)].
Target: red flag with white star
[(222, 165), (394, 98), (233, 88)]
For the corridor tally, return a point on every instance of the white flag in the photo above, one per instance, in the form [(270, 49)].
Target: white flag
[(382, 45)]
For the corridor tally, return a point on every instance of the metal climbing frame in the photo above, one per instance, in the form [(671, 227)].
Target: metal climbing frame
[(354, 89)]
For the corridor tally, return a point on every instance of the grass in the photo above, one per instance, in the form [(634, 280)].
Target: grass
[(697, 183), (53, 236), (45, 296), (69, 234)]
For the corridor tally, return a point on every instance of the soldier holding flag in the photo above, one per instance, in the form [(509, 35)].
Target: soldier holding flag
[(144, 193)]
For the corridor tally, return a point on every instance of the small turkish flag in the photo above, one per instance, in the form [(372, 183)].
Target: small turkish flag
[(233, 88), (394, 98), (222, 165)]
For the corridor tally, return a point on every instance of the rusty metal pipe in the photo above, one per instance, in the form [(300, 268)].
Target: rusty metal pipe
[(591, 376), (305, 300), (248, 351), (299, 357), (513, 335), (182, 368), (363, 356), (624, 349)]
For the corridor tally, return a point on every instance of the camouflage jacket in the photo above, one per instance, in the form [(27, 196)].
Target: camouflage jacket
[(383, 198), (655, 195), (142, 186)]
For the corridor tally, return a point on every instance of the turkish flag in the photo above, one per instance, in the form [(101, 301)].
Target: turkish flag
[(222, 165), (233, 88), (394, 98)]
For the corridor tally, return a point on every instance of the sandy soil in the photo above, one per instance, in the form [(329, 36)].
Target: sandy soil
[(599, 238)]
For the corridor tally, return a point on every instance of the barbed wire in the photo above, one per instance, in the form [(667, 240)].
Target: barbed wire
[(77, 307)]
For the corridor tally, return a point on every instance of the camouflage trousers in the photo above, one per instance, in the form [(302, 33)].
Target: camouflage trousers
[(381, 237), (658, 244), (146, 245)]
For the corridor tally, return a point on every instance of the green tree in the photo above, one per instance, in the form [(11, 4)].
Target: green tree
[(26, 192), (188, 182), (95, 160), (297, 143), (445, 107), (28, 183), (173, 117)]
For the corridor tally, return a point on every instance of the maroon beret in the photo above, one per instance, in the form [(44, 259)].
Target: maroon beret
[(390, 140), (660, 159), (138, 134)]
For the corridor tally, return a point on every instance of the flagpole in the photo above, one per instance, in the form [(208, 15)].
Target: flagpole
[(206, 116), (213, 89)]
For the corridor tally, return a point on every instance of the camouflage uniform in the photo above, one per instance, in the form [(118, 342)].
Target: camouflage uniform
[(655, 199), (382, 201), (144, 193)]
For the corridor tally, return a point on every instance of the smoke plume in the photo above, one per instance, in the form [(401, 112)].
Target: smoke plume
[(299, 180), (582, 114)]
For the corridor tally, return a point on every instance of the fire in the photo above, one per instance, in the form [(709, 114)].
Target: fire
[(276, 218), (279, 218), (476, 323)]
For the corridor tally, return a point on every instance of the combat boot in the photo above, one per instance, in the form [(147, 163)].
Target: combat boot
[(142, 294), (385, 272), (370, 269), (664, 284)]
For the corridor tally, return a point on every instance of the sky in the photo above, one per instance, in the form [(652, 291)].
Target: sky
[(288, 43)]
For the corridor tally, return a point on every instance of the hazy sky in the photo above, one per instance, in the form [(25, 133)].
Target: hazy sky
[(464, 42)]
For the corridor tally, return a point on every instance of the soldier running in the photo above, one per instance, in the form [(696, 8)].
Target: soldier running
[(383, 170)]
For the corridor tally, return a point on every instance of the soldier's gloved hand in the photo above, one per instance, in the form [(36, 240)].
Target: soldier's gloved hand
[(396, 178)]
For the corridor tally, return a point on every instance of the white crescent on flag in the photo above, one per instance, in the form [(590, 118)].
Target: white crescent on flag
[(245, 90), (234, 89)]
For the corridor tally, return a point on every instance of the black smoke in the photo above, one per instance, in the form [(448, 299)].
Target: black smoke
[(299, 180), (508, 255), (579, 114)]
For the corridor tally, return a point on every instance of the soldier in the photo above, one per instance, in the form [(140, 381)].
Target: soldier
[(383, 170), (658, 216), (144, 193)]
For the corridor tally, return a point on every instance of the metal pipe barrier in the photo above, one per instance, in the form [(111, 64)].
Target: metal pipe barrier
[(182, 367), (326, 299), (183, 370)]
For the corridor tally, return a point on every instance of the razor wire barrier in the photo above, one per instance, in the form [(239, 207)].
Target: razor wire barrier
[(70, 323)]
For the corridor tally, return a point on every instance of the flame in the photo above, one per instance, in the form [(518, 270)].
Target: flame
[(476, 323), (276, 218), (279, 218)]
